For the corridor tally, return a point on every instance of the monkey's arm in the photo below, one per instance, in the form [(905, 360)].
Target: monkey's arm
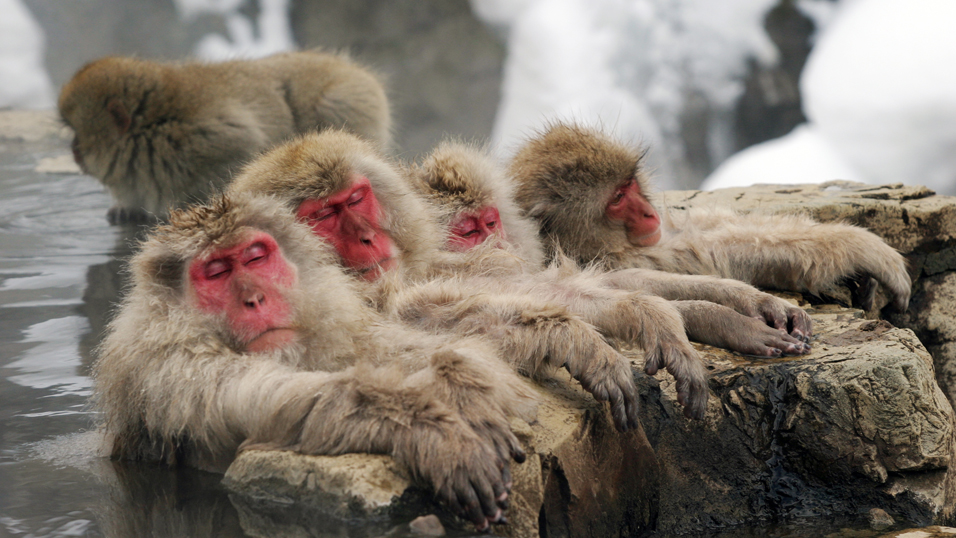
[(741, 297), (719, 326), (791, 252), (361, 409), (531, 335), (384, 410)]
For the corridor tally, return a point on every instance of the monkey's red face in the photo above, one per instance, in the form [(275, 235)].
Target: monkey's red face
[(349, 220), (247, 284), (641, 221), (469, 230)]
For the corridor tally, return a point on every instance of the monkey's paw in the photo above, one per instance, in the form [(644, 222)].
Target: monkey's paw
[(681, 360), (610, 379), (472, 479)]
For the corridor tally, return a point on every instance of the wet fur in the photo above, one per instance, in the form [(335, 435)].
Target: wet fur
[(173, 387)]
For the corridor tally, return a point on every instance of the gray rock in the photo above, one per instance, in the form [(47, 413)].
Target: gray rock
[(879, 519)]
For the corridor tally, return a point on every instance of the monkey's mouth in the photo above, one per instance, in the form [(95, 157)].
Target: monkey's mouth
[(647, 240), (271, 339), (373, 271)]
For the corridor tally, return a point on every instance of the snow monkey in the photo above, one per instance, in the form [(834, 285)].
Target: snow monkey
[(473, 196), (356, 199), (590, 198), (161, 135), (241, 332)]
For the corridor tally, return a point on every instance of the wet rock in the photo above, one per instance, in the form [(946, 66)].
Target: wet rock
[(581, 477), (924, 532), (858, 423), (879, 519), (428, 525)]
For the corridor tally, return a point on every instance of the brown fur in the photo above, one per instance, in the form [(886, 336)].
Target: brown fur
[(161, 135), (426, 291), (173, 387), (455, 174), (565, 177)]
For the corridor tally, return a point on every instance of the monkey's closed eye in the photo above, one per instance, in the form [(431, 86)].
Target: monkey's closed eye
[(468, 233), (216, 269), (255, 253), (321, 215)]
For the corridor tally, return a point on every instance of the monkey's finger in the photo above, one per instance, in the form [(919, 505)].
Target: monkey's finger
[(471, 508), (652, 363), (487, 498), (506, 478)]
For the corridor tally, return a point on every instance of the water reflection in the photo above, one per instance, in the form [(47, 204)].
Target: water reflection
[(62, 271)]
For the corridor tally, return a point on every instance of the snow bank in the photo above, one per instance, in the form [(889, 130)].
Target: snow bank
[(881, 86), (879, 89), (802, 156), (627, 65), (274, 35), (24, 82)]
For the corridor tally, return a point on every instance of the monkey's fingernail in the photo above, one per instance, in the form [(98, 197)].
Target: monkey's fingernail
[(503, 497), (502, 520)]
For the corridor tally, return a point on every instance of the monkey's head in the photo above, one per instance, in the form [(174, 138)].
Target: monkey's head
[(104, 102), (351, 196), (242, 269), (586, 190), (473, 197)]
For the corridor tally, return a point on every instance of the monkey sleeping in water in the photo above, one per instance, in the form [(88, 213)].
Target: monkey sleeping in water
[(242, 332), (160, 135)]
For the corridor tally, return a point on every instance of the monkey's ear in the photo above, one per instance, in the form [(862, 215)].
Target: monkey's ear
[(120, 115)]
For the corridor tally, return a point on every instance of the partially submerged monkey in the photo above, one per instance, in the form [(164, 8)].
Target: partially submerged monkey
[(242, 332), (474, 198), (353, 197), (161, 135), (589, 196)]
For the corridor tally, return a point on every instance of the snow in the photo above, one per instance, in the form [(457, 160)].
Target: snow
[(881, 86), (629, 66), (275, 30), (24, 82), (802, 156)]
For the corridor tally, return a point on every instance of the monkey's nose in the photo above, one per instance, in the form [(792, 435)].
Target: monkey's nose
[(255, 300)]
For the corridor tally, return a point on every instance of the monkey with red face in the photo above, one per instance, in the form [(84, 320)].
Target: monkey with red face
[(591, 200), (241, 331), (352, 196), (464, 182)]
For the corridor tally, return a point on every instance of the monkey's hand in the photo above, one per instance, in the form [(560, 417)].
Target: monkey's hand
[(468, 473), (779, 314), (720, 326), (607, 375), (385, 410)]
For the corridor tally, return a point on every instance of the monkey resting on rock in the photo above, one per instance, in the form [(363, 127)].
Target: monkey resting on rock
[(357, 200), (589, 196), (473, 197), (160, 135), (242, 332)]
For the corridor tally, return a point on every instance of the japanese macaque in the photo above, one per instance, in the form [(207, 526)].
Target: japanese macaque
[(473, 196), (352, 196), (242, 332), (161, 135), (591, 200)]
